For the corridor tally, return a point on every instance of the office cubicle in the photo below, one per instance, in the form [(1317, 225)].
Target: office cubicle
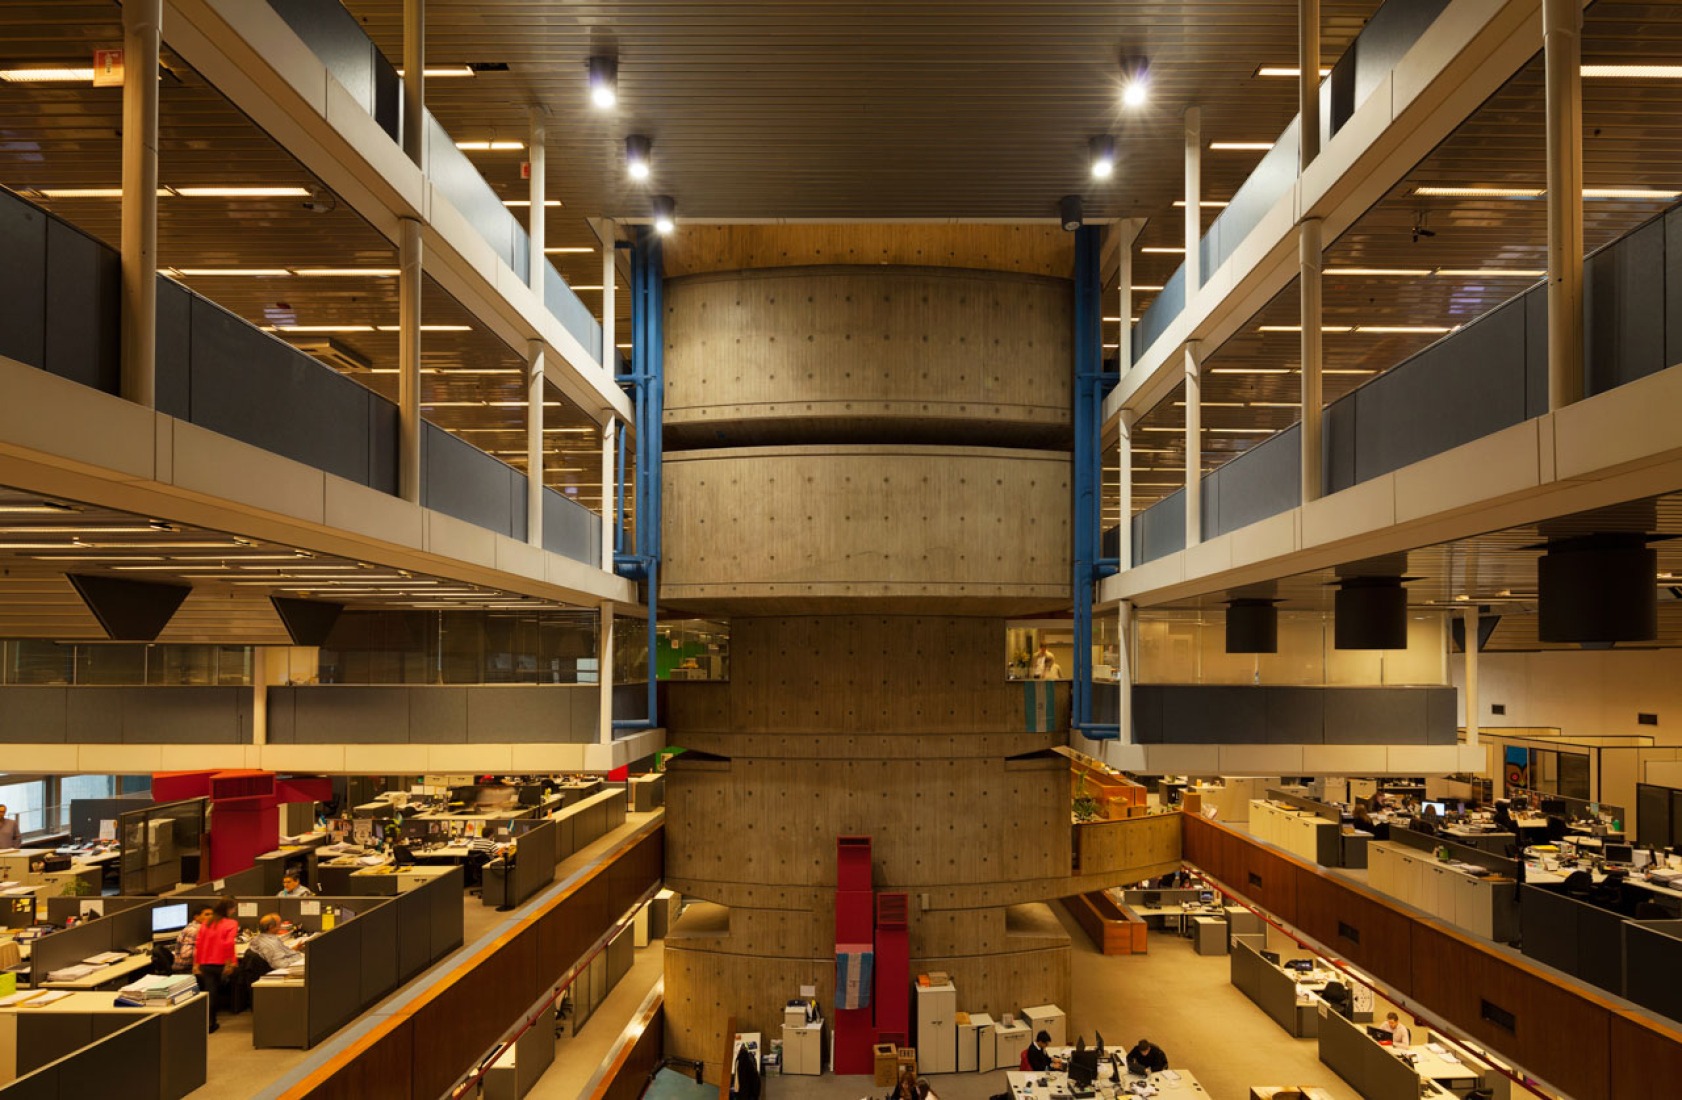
[(161, 845), (73, 1055), (88, 814), (1658, 816), (1631, 958), (127, 930), (1374, 1072), (1272, 989), (61, 909), (129, 1061), (508, 882)]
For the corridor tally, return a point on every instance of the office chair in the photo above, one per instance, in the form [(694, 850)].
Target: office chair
[(1336, 994), (1578, 884), (1652, 910), (1557, 829)]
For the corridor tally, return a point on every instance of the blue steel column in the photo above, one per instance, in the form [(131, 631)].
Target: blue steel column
[(646, 385), (1091, 384)]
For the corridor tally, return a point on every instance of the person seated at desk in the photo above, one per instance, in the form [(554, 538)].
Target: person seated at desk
[(1145, 1058), (187, 938), (1400, 1036), (11, 836), (1037, 1059), (291, 886), (268, 946)]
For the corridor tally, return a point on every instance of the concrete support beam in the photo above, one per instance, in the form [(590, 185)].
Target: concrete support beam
[(610, 300), (1124, 457), (604, 672), (1469, 618)]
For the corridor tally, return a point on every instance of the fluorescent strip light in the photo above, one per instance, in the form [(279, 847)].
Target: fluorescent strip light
[(170, 545), (240, 557), (584, 286), (1347, 370), (231, 272), (96, 557), (161, 568), (47, 75), (445, 71), (1144, 288), (324, 328), (1241, 146), (1638, 193), (1276, 404), (1635, 72), (127, 529), (527, 202), (1251, 370), (1491, 272), (1382, 272), (1165, 250), (1286, 70), (243, 192), (34, 546), (42, 509), (1298, 328), (54, 193), (1207, 204), (426, 328), (1213, 404), (1405, 330), (1629, 193), (570, 250), (1243, 431), (335, 272), (489, 146)]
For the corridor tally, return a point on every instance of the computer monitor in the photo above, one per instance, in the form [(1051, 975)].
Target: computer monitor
[(1380, 1034), (1099, 1035), (1620, 853), (1206, 896), (1553, 806), (169, 918), (1083, 1067), (1435, 807)]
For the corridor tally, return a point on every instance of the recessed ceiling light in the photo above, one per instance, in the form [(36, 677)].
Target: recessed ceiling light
[(1145, 287), (47, 75), (1251, 370), (1292, 71), (1298, 328), (1101, 156), (1643, 193), (665, 214), (52, 193), (570, 249), (1207, 204), (527, 202), (639, 155), (1240, 146), (44, 508), (1405, 330), (242, 192)]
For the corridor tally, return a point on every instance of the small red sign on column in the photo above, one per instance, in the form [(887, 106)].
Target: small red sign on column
[(107, 68)]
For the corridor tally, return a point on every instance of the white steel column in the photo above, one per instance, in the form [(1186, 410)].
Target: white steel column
[(536, 268), (1124, 291), (1194, 209), (534, 443), (1562, 24), (1308, 82), (610, 490), (610, 302), (1311, 247), (414, 80), (604, 672), (1124, 457), (1124, 670), (1194, 447), (408, 360), (1469, 617), (138, 372)]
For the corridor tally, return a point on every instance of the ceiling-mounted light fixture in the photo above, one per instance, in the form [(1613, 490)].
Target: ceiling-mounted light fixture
[(604, 82), (638, 153), (665, 214), (1072, 211), (1135, 82), (1101, 152)]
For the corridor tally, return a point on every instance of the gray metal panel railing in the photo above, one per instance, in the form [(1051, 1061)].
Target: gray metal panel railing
[(1488, 375)]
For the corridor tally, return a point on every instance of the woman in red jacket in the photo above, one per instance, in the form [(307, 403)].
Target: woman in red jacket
[(213, 954)]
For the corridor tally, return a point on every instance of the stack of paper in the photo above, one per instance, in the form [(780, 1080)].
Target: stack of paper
[(71, 973), (158, 989), (105, 958)]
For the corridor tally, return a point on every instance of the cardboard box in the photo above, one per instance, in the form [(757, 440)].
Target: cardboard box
[(887, 1065), (905, 1060)]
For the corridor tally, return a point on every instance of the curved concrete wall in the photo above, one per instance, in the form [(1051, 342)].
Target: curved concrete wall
[(983, 529), (888, 352)]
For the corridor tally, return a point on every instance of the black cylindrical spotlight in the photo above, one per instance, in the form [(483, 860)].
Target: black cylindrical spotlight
[(639, 156), (1371, 613), (604, 81), (1603, 588), (665, 214), (1252, 626), (1072, 210)]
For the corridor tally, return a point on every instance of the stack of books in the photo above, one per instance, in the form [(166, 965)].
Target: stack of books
[(157, 990)]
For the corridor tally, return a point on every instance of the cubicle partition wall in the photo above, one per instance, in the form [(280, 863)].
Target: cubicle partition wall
[(86, 814), (1653, 959), (588, 820), (1561, 1031), (126, 930), (508, 883), (1272, 989), (1583, 940), (1658, 816), (1465, 853), (134, 1053), (61, 909), (1375, 1073), (161, 845)]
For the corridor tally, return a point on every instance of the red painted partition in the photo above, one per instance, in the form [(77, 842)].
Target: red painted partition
[(854, 928)]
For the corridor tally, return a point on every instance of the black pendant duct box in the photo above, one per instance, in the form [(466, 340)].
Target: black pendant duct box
[(1371, 613), (1599, 589), (1252, 626)]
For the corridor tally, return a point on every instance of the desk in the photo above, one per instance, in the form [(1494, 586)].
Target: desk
[(1432, 1066), (117, 970), (1483, 905), (32, 1037), (1170, 1084), (385, 879)]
